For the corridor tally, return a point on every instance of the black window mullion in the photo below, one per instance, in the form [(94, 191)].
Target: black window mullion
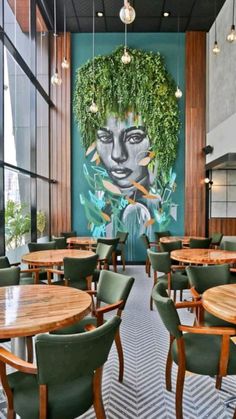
[(2, 212)]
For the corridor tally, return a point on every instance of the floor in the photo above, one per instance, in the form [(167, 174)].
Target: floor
[(143, 394)]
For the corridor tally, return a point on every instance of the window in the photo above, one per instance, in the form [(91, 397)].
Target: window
[(223, 194)]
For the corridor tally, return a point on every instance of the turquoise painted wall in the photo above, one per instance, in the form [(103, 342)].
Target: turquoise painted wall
[(167, 45)]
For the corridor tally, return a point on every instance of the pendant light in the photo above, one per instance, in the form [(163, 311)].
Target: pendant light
[(93, 107), (126, 58), (216, 48), (178, 92), (65, 63), (55, 79), (127, 13), (231, 37)]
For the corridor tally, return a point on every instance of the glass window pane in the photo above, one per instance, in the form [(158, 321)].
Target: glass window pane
[(42, 136), (16, 114), (17, 214), (42, 40), (42, 209), (17, 26)]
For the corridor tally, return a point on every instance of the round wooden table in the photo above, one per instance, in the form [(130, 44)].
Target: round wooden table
[(184, 239), (204, 256), (87, 242), (26, 310), (53, 257), (221, 302)]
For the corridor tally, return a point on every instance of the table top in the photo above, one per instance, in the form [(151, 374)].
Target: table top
[(30, 309), (82, 240), (183, 239), (54, 257), (204, 256), (221, 302)]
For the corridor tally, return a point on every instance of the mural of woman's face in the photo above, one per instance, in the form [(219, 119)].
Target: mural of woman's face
[(121, 145)]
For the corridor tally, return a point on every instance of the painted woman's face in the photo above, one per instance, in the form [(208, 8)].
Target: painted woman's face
[(121, 145)]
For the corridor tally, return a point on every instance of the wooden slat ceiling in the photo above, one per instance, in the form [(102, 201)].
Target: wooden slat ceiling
[(194, 15)]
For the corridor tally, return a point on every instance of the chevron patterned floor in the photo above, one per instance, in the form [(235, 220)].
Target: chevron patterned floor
[(143, 394)]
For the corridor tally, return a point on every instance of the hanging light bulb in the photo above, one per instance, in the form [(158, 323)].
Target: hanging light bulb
[(127, 13), (231, 37), (65, 63), (178, 93), (93, 107), (216, 48), (126, 58), (55, 79)]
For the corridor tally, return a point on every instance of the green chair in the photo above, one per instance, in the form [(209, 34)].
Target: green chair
[(199, 243), (176, 281), (216, 240), (104, 252), (114, 243), (60, 242), (148, 245), (68, 234), (113, 290), (200, 350), (77, 272), (27, 276), (68, 377), (37, 247), (159, 234), (228, 245), (120, 250), (169, 247)]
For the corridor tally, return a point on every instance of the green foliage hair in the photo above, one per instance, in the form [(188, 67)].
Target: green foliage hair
[(143, 86)]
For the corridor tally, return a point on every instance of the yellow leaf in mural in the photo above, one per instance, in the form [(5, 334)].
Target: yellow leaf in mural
[(130, 201), (105, 216), (149, 196), (111, 187), (91, 148), (149, 222), (152, 154), (95, 157), (139, 187), (98, 161), (144, 162)]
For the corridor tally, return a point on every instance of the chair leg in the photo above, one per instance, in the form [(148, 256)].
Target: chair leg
[(218, 382), (120, 356), (169, 363), (11, 414), (179, 393), (181, 295), (29, 345), (174, 296), (123, 261), (97, 395), (234, 417), (114, 261), (148, 268), (154, 283)]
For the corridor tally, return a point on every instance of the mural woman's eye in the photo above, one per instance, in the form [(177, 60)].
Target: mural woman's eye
[(135, 137), (105, 136)]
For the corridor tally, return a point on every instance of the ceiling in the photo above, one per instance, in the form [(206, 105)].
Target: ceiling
[(194, 15)]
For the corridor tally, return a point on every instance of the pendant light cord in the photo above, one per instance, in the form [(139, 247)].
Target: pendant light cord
[(233, 11), (93, 49), (178, 53), (55, 34), (125, 36), (65, 30)]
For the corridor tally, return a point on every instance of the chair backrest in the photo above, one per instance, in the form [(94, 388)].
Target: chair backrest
[(228, 245), (36, 247), (68, 234), (145, 240), (63, 358), (160, 261), (76, 270), (111, 242), (60, 242), (166, 308), (113, 287), (204, 277), (199, 243), (4, 262), (122, 235), (216, 239), (9, 276), (104, 251), (168, 247), (159, 234)]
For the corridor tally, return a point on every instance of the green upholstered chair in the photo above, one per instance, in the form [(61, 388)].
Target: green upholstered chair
[(199, 243), (159, 234), (148, 245), (111, 242), (60, 242), (176, 281), (37, 247), (27, 276), (68, 234), (201, 350), (169, 247), (77, 272), (104, 252), (113, 290), (216, 240), (228, 245), (120, 250), (68, 377)]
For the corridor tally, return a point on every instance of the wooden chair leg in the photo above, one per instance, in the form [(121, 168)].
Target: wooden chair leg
[(29, 345), (218, 382), (97, 395), (181, 295), (174, 296), (169, 363), (234, 417), (120, 356), (11, 414), (148, 268), (123, 261), (179, 393), (114, 261)]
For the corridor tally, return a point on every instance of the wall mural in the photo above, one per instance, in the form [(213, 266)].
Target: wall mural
[(130, 144)]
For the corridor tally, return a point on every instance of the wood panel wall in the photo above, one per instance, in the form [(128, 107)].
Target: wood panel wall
[(226, 226), (195, 133), (60, 150)]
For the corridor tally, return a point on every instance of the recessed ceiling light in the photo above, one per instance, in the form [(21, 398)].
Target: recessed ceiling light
[(99, 14), (166, 14)]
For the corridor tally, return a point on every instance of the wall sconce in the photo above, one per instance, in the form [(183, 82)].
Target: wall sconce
[(208, 182), (208, 149)]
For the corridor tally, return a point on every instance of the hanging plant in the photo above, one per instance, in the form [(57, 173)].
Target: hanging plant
[(144, 87)]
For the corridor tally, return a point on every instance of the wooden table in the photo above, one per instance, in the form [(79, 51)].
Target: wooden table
[(53, 257), (221, 302), (87, 242), (204, 256), (184, 239)]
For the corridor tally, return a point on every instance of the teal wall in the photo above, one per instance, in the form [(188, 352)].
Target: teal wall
[(169, 45)]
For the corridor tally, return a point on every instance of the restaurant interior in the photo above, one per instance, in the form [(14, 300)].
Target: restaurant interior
[(117, 209)]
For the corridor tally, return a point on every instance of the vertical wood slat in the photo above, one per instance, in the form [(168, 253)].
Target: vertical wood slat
[(195, 133), (226, 226), (60, 134)]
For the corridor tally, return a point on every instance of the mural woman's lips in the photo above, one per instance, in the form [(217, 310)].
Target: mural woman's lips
[(120, 172)]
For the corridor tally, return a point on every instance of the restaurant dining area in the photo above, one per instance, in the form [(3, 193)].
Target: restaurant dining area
[(117, 209)]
